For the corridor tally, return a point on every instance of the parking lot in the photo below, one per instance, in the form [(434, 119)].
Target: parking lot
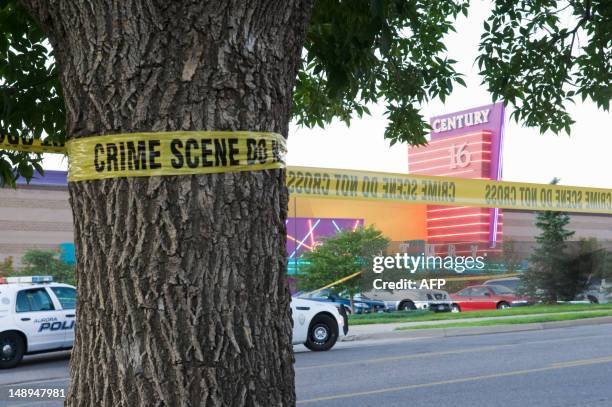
[(558, 367)]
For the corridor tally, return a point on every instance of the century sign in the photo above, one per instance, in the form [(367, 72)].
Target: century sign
[(460, 121)]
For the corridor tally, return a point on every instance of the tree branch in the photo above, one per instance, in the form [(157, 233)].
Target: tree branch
[(41, 12)]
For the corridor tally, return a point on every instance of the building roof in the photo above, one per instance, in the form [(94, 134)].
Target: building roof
[(49, 179)]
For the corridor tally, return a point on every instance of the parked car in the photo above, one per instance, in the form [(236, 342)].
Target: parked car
[(36, 315), (361, 305), (598, 291), (401, 300), (317, 325), (483, 297), (375, 305)]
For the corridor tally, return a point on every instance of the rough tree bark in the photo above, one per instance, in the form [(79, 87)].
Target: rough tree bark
[(181, 280)]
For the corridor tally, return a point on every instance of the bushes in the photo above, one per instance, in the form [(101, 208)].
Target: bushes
[(44, 263)]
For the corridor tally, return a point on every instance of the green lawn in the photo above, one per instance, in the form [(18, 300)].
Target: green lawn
[(514, 321), (415, 316)]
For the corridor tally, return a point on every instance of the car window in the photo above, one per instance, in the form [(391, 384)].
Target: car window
[(66, 296), (32, 300), (501, 290), (479, 291), (511, 284), (429, 297), (466, 292)]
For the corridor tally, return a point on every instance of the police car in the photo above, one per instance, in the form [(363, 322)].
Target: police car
[(317, 325), (36, 315)]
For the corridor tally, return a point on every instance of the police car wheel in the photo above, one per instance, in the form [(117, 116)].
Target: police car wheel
[(12, 349), (322, 334)]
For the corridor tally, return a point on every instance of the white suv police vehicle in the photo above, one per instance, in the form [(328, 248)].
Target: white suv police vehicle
[(36, 315), (316, 324)]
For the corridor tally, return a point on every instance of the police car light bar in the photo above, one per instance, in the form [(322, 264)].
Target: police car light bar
[(26, 279)]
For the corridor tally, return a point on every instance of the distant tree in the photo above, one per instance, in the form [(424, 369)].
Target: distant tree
[(603, 266), (584, 263), (46, 263), (543, 277), (346, 253), (6, 266), (606, 270), (511, 256)]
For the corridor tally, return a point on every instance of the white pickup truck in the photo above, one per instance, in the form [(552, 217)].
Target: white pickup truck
[(403, 300)]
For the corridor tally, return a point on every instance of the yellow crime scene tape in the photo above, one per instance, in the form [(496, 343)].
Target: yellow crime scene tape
[(168, 153), (342, 280), (203, 152), (173, 153), (30, 145), (481, 278), (423, 189)]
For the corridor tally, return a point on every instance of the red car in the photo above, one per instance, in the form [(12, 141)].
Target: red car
[(483, 297)]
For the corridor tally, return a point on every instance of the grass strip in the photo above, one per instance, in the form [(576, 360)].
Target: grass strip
[(418, 316), (514, 321)]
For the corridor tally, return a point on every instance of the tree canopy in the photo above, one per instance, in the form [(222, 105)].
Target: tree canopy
[(340, 256), (537, 55), (540, 55)]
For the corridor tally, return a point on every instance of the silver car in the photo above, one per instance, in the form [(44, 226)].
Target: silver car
[(402, 300)]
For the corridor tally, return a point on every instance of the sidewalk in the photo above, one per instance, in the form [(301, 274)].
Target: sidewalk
[(388, 331)]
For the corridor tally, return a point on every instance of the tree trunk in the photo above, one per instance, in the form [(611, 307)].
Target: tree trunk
[(182, 295)]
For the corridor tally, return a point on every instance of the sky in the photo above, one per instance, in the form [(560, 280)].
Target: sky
[(584, 158)]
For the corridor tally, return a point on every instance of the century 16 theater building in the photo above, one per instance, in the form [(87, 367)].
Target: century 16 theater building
[(466, 144)]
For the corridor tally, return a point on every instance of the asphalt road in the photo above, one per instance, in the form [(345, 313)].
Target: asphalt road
[(559, 367), (44, 371)]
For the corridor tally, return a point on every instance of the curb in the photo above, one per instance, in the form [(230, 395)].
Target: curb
[(478, 330)]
